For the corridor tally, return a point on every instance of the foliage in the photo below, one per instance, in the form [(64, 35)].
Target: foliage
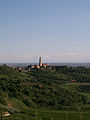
[(46, 88)]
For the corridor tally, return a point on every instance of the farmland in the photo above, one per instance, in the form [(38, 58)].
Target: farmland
[(45, 94), (50, 115)]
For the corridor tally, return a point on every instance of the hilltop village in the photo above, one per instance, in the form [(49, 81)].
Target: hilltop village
[(36, 66)]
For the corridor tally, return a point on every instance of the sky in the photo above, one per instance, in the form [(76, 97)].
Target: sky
[(57, 30)]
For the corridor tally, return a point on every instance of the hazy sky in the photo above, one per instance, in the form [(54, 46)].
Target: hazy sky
[(57, 30)]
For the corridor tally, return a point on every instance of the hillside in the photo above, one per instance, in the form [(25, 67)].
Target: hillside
[(44, 89)]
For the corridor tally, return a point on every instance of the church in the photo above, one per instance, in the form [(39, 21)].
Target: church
[(40, 65)]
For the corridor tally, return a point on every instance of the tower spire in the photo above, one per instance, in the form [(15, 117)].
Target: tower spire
[(40, 62)]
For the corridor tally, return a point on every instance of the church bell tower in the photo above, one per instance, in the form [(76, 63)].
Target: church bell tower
[(40, 62)]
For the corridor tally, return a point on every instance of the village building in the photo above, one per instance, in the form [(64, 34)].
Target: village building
[(5, 114), (32, 66), (40, 65), (40, 62), (44, 65), (20, 68), (37, 66), (73, 81)]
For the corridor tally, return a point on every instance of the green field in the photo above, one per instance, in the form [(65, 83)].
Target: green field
[(49, 115)]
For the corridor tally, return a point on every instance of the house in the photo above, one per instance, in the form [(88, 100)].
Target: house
[(37, 66), (44, 65), (73, 81), (32, 66), (5, 114), (20, 69)]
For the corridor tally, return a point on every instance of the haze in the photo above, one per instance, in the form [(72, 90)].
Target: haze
[(57, 30)]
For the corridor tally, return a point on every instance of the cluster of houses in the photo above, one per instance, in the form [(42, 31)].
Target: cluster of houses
[(38, 66), (26, 69)]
